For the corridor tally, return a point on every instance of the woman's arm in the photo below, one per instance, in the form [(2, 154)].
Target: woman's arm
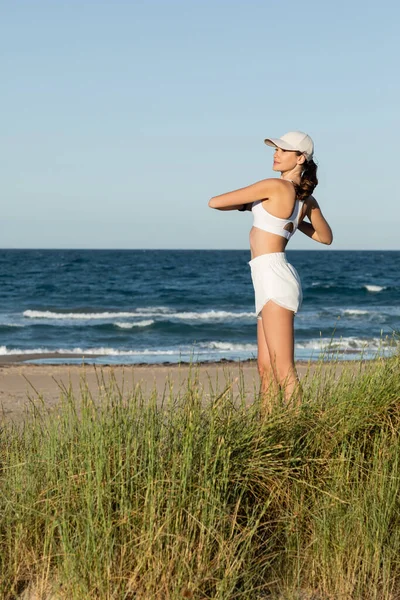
[(239, 198), (318, 228), (241, 207)]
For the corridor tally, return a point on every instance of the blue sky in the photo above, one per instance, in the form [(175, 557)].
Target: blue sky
[(121, 119)]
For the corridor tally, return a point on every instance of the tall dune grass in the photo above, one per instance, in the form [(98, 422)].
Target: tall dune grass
[(178, 497)]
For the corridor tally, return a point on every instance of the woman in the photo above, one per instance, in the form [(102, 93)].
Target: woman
[(279, 206)]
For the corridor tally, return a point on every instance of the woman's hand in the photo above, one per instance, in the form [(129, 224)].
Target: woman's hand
[(318, 228)]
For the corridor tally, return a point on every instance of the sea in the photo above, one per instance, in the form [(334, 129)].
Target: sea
[(169, 306)]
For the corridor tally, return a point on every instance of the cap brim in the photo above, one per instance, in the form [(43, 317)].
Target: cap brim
[(278, 143)]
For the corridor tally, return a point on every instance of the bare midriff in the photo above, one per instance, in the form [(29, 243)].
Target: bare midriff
[(263, 242)]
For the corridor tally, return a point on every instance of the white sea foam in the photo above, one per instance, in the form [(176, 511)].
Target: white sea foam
[(47, 314), (163, 313), (153, 309), (211, 315), (353, 344), (211, 350), (131, 325), (88, 351), (324, 286), (229, 347), (203, 348), (374, 288), (356, 312)]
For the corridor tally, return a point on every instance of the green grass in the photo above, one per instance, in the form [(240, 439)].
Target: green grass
[(175, 497)]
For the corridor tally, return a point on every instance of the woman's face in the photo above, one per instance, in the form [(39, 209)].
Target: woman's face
[(286, 160)]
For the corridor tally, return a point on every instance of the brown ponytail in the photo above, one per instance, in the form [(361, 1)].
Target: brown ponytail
[(308, 181)]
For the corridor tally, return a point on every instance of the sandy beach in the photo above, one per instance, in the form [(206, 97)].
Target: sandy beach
[(23, 385)]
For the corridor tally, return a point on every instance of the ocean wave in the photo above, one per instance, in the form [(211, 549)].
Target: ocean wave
[(203, 349), (47, 314), (87, 352), (338, 287), (151, 309), (208, 315), (374, 288), (324, 286), (229, 346), (356, 312), (212, 315), (131, 325), (378, 313), (350, 344), (213, 350)]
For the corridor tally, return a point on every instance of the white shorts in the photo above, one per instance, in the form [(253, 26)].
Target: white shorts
[(275, 279)]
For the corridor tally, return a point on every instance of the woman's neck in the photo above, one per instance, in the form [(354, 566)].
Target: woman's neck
[(291, 175)]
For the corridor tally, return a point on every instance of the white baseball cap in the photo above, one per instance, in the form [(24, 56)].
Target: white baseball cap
[(294, 140)]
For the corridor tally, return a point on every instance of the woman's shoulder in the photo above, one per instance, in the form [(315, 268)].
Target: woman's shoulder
[(277, 181), (278, 184), (280, 189)]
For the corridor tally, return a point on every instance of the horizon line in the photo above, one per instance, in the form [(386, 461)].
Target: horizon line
[(203, 249)]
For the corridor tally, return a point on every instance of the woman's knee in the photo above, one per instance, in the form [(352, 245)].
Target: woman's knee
[(264, 368), (285, 373)]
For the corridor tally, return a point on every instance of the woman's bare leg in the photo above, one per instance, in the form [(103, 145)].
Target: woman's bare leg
[(269, 387), (278, 330)]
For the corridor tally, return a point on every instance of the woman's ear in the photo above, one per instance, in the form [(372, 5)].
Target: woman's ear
[(301, 159)]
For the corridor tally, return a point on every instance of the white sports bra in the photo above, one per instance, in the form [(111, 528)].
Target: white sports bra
[(267, 222)]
